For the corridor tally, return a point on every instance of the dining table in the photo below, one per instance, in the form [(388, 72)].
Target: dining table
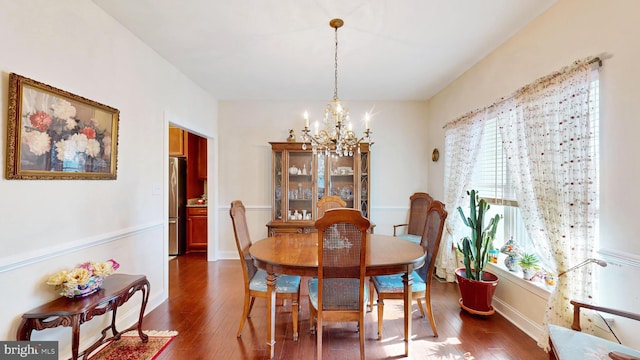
[(297, 254)]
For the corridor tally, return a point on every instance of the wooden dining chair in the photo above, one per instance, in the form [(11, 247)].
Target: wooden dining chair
[(255, 280), (391, 286), (329, 202), (338, 293), (419, 203)]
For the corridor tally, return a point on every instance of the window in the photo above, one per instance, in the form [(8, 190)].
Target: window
[(492, 180)]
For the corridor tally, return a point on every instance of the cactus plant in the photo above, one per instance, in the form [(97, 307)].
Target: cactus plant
[(475, 248)]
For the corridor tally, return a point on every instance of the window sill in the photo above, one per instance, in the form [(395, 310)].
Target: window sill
[(537, 287)]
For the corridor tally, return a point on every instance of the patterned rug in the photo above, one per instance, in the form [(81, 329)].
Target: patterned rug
[(130, 347)]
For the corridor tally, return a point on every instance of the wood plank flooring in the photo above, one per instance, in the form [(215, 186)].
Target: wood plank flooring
[(205, 305)]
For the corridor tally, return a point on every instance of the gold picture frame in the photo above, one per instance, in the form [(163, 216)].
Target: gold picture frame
[(55, 135)]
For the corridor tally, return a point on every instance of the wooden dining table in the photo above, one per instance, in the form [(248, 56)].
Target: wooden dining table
[(297, 254)]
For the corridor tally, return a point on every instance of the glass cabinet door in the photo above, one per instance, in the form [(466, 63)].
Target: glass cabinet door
[(300, 186), (341, 178), (277, 185), (364, 183)]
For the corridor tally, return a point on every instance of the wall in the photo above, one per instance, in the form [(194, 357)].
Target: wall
[(570, 30), (398, 158), (47, 226)]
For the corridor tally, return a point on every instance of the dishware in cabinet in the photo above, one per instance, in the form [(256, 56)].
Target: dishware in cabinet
[(294, 184), (301, 178)]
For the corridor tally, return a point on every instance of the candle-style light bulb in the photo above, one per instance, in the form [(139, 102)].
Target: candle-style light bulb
[(366, 120), (316, 125), (306, 119)]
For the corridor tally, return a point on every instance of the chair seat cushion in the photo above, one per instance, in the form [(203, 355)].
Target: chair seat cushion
[(571, 344), (344, 293), (393, 283), (284, 284), (413, 238)]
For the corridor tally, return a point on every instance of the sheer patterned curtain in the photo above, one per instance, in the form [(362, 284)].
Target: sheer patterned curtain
[(548, 133), (461, 148)]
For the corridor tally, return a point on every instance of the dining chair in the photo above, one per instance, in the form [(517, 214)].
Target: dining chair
[(419, 203), (329, 202), (338, 293), (391, 286), (255, 280)]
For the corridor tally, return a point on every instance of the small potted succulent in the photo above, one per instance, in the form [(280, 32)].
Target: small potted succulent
[(529, 263)]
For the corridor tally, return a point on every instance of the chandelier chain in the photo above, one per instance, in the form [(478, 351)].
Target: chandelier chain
[(335, 72)]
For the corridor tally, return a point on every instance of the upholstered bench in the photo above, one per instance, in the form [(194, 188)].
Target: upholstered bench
[(571, 344)]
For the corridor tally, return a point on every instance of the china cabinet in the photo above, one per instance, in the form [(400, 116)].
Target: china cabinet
[(300, 179)]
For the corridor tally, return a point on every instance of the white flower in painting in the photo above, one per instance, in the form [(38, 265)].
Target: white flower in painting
[(38, 142), (64, 110), (81, 142), (93, 147), (70, 124), (66, 150)]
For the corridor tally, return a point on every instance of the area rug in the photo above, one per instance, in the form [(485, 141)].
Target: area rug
[(131, 347)]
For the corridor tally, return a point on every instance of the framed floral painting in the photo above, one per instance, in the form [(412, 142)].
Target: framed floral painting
[(53, 134)]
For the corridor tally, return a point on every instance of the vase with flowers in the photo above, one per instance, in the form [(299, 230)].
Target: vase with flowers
[(84, 279)]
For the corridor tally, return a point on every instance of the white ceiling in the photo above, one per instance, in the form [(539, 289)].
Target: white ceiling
[(284, 49)]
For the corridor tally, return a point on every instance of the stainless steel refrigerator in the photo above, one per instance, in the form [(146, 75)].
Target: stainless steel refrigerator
[(177, 205)]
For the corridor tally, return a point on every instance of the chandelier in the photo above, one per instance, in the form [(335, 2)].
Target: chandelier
[(338, 133)]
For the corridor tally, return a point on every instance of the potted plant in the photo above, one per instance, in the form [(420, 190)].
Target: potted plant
[(477, 285), (528, 263)]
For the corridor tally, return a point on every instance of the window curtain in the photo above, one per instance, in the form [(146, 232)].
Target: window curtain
[(461, 148), (549, 137)]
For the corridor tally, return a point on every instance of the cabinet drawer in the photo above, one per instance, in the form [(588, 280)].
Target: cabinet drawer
[(197, 211)]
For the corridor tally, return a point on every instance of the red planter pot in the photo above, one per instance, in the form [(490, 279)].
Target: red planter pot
[(477, 295)]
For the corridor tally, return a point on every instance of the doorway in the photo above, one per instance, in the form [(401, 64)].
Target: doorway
[(188, 189)]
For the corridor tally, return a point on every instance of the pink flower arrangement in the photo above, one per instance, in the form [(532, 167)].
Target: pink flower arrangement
[(83, 279)]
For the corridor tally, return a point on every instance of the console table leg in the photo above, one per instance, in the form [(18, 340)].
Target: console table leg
[(75, 337), (24, 330), (146, 288)]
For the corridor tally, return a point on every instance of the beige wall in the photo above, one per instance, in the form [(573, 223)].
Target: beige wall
[(398, 157), (570, 30)]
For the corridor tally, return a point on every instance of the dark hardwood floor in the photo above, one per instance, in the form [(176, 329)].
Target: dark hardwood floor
[(205, 305)]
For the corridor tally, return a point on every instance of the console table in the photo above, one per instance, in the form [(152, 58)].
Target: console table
[(73, 312)]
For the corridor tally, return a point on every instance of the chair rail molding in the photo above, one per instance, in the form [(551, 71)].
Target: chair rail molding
[(620, 258), (9, 263)]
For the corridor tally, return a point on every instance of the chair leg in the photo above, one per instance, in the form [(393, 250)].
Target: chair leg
[(427, 299), (319, 337), (380, 316), (370, 305), (361, 325), (294, 314), (253, 299), (420, 307), (312, 328), (245, 312)]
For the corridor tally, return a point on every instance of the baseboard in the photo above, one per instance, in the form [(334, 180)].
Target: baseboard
[(518, 319)]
